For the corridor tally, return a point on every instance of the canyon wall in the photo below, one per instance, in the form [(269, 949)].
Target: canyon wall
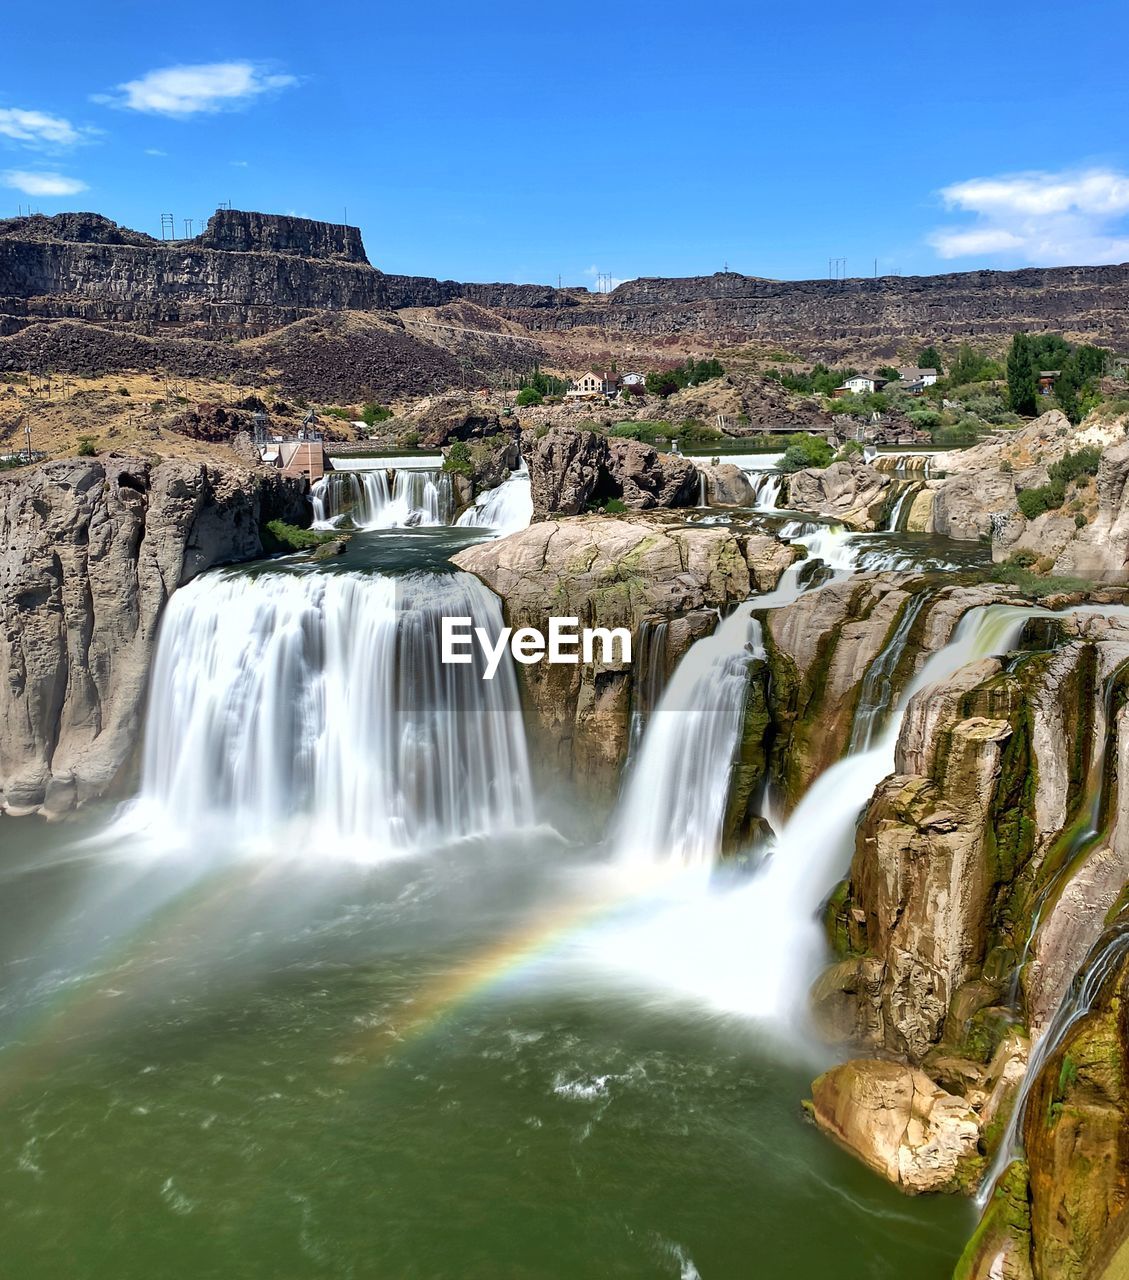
[(252, 269), (90, 550)]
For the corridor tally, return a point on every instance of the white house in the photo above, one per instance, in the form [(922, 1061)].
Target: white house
[(635, 380), (860, 385), (927, 377), (590, 385)]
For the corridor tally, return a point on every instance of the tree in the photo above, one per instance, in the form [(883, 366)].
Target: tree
[(806, 451), (1022, 375), (970, 365), (889, 373), (529, 395), (930, 358)]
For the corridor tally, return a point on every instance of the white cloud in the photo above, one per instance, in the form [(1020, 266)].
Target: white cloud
[(39, 130), (155, 151), (192, 90), (238, 164), (1048, 219), (41, 184)]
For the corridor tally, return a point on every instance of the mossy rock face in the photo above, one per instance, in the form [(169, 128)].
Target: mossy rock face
[(1076, 1133), (741, 826), (1004, 1228), (986, 1031)]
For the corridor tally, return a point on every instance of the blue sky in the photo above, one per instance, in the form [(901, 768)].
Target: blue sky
[(521, 142)]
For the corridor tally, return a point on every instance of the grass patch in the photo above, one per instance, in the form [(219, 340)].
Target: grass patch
[(1036, 584), (278, 536)]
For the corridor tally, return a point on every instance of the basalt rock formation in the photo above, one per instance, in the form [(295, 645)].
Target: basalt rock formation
[(612, 573), (572, 471), (90, 551), (256, 271), (990, 868)]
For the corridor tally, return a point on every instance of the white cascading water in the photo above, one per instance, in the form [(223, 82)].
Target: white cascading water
[(318, 701), (1098, 967), (755, 950), (382, 499), (505, 509), (899, 514), (766, 489), (675, 806)]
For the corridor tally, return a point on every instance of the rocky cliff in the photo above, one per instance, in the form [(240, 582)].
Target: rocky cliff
[(90, 550), (249, 269), (609, 572)]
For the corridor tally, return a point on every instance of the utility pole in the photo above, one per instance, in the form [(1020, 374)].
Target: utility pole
[(27, 432), (168, 227)]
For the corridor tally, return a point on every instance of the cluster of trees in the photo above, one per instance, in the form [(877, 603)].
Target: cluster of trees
[(666, 382), (820, 380), (1051, 496), (535, 386), (1080, 368)]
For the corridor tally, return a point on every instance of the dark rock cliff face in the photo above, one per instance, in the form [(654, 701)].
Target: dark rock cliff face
[(256, 271), (90, 551)]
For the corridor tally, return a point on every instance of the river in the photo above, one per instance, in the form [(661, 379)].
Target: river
[(266, 1042)]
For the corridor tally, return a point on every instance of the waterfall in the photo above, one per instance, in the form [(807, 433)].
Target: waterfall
[(382, 499), (766, 489), (678, 788), (675, 803), (703, 490), (899, 514), (504, 509), (1098, 967), (647, 682), (875, 693), (320, 699), (755, 949)]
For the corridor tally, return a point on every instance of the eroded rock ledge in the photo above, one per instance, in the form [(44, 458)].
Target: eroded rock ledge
[(90, 550), (612, 572)]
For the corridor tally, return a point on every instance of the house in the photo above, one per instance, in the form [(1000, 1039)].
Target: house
[(927, 377), (1047, 380), (635, 380), (860, 385), (591, 385)]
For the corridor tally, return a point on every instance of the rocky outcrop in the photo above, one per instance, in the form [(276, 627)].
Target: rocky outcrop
[(851, 492), (726, 485), (612, 573), (901, 1124), (90, 550), (572, 471), (1101, 549)]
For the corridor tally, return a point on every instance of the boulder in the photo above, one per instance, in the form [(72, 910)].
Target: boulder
[(900, 1124), (848, 491), (727, 485), (572, 470), (611, 572)]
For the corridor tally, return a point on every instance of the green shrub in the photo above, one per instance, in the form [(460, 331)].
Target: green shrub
[(1047, 497), (615, 506), (335, 411), (278, 536), (409, 439), (1079, 521), (458, 459), (372, 413), (806, 451), (87, 447), (529, 395)]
